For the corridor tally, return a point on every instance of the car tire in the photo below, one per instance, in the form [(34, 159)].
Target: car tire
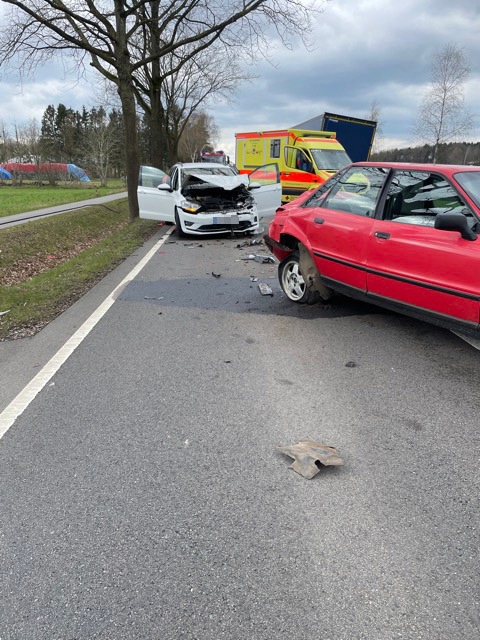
[(180, 232), (292, 282)]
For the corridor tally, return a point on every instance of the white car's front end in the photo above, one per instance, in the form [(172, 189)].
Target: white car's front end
[(216, 204)]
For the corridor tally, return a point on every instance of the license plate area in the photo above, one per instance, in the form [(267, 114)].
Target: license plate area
[(226, 219)]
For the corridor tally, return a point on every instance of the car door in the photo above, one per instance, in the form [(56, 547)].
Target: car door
[(415, 267), (155, 203), (340, 224), (269, 195)]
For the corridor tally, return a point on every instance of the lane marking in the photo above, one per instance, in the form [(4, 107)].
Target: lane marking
[(25, 397)]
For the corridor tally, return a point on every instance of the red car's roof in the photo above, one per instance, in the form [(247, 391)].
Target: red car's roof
[(441, 168)]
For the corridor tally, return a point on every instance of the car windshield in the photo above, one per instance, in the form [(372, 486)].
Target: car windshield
[(208, 171), (330, 159), (470, 181)]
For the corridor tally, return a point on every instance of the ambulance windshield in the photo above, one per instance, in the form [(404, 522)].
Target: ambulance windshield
[(330, 159)]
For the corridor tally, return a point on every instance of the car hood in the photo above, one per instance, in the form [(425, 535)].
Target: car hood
[(224, 182)]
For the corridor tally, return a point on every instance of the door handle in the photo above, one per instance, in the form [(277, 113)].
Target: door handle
[(318, 220), (381, 234)]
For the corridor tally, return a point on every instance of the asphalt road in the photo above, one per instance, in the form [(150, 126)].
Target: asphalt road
[(141, 496)]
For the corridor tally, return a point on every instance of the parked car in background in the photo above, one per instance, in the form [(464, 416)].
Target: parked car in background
[(202, 198), (403, 236)]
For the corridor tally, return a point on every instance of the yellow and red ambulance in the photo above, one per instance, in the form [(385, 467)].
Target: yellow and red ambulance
[(305, 158)]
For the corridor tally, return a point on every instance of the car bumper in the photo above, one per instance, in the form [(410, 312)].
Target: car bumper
[(229, 222), (279, 250)]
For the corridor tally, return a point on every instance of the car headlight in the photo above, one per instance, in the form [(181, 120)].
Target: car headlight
[(190, 206)]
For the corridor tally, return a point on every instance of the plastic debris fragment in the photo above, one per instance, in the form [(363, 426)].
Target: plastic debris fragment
[(265, 290), (308, 454)]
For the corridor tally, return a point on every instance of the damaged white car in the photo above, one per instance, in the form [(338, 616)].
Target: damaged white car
[(203, 198)]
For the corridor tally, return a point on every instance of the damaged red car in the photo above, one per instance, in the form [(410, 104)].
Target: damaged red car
[(403, 236)]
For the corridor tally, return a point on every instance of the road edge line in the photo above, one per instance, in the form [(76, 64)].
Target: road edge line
[(28, 393)]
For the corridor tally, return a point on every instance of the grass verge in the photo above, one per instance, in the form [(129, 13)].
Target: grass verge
[(47, 265), (29, 197)]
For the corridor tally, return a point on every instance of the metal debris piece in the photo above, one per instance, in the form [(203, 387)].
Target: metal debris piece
[(249, 243), (262, 258), (265, 290), (152, 298), (2, 313), (216, 275), (253, 279), (307, 454), (351, 364)]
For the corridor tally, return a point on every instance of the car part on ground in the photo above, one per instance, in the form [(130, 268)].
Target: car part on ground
[(308, 455)]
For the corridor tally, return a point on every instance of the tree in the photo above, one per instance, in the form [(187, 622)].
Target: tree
[(442, 115), (111, 36), (100, 144), (183, 84), (375, 115), (199, 133)]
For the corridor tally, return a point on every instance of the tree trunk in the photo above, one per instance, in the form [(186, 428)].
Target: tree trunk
[(131, 141)]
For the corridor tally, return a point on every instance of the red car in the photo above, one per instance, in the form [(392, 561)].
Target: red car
[(403, 236)]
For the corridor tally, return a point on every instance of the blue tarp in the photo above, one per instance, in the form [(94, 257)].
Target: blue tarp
[(78, 173), (4, 174)]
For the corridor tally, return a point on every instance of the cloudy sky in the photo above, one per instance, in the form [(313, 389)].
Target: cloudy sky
[(365, 51)]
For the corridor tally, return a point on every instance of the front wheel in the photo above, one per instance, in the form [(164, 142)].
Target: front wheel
[(293, 283), (180, 232)]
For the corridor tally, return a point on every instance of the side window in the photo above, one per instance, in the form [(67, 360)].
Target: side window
[(416, 197), (357, 191), (150, 177), (275, 148)]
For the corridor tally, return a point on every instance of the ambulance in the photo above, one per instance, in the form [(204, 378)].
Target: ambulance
[(306, 158)]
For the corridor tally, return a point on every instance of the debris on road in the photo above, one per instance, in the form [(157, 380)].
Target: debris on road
[(152, 298), (2, 313), (308, 454), (351, 364), (216, 275), (265, 290), (253, 279), (249, 243), (262, 258)]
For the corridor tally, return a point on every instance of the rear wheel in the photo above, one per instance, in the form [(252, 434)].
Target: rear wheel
[(180, 232), (293, 283)]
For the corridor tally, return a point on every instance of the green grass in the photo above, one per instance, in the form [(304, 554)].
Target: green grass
[(28, 197), (47, 265)]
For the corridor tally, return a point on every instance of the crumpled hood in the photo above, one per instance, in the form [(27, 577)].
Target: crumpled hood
[(224, 182)]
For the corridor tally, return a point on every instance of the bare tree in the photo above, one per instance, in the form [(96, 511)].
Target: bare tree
[(101, 142), (110, 36), (199, 132), (182, 90), (442, 116), (374, 114)]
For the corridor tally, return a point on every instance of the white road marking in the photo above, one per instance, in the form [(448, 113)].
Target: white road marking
[(25, 397)]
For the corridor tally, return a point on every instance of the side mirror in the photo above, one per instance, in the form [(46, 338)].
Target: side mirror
[(165, 187), (254, 185), (455, 222)]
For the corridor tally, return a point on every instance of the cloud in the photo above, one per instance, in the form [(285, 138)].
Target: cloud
[(363, 51)]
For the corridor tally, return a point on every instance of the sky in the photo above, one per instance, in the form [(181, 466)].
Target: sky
[(364, 52)]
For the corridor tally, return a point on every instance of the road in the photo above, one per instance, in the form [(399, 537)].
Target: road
[(142, 497)]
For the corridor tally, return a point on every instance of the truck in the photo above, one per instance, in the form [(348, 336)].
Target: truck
[(306, 157), (354, 134)]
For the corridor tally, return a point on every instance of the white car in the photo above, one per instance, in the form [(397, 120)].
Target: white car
[(209, 198)]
